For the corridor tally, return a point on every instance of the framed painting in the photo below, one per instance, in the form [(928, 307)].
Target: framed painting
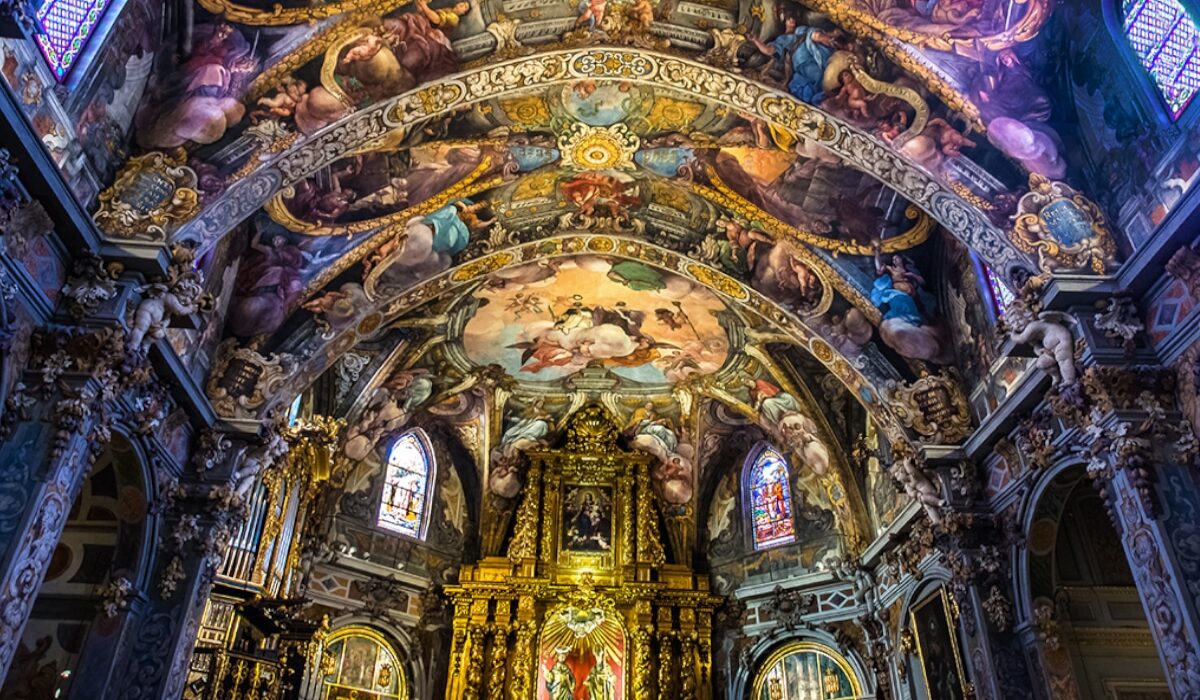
[(937, 648)]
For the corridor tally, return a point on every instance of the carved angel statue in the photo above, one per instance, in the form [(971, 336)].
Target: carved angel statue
[(918, 486), (1052, 343), (257, 461)]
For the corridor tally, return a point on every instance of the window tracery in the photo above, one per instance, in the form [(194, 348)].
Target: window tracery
[(770, 499), (66, 28), (1000, 294), (408, 475), (1164, 37)]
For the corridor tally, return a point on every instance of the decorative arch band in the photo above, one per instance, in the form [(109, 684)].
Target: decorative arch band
[(802, 121)]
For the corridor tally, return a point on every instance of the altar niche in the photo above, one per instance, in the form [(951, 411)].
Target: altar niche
[(584, 605), (582, 653)]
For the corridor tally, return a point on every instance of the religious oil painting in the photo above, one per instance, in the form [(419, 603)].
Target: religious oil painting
[(588, 519), (937, 646), (806, 671), (582, 656), (551, 319)]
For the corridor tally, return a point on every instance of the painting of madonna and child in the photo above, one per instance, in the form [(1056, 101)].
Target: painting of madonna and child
[(548, 320)]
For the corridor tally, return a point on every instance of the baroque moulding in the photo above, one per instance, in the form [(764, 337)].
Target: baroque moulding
[(243, 382), (625, 64), (1066, 230), (933, 406), (92, 283), (153, 194), (1120, 319)]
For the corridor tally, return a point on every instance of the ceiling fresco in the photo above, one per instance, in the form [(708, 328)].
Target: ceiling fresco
[(624, 202), (549, 320)]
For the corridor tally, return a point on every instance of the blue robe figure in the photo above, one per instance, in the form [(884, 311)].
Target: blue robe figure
[(808, 60), (450, 233)]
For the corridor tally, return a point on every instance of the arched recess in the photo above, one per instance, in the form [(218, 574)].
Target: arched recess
[(323, 350), (1077, 603), (751, 681), (358, 647), (103, 558), (795, 668), (584, 651), (937, 668), (782, 111), (359, 506)]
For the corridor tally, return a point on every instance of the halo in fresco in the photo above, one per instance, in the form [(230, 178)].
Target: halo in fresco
[(550, 319)]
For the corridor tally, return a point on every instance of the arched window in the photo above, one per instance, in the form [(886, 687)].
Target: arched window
[(770, 496), (1000, 294), (64, 29), (403, 506), (1163, 35), (358, 662), (806, 671)]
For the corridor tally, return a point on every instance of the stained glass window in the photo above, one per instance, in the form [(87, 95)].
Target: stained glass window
[(359, 663), (806, 671), (406, 486), (1001, 295), (1165, 39), (770, 500), (66, 26)]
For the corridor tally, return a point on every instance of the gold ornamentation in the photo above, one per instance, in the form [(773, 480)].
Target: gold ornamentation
[(242, 381), (933, 406), (465, 187), (587, 147), (153, 194), (1066, 230), (670, 114), (280, 16), (527, 110)]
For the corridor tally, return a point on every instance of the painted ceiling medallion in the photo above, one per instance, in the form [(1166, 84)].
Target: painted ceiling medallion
[(586, 147)]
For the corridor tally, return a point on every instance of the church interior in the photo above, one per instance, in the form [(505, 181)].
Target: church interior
[(599, 350)]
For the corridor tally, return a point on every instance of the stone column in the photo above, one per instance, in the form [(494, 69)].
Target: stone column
[(43, 462), (1163, 546), (200, 515)]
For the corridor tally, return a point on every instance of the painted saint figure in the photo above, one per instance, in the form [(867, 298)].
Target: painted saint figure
[(560, 682), (899, 293), (802, 52), (601, 683)]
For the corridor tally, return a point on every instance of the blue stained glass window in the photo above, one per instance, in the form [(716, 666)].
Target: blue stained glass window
[(66, 26), (406, 486), (770, 500), (1165, 39), (1002, 296)]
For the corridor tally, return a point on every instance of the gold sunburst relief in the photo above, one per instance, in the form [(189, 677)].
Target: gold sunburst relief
[(587, 147)]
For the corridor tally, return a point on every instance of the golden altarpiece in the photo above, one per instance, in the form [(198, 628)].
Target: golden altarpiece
[(584, 604)]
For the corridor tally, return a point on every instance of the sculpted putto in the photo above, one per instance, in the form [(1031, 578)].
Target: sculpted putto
[(918, 486), (1052, 342)]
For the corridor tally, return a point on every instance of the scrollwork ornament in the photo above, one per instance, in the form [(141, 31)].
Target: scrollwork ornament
[(1121, 321), (153, 194), (92, 283), (1066, 230), (933, 406)]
